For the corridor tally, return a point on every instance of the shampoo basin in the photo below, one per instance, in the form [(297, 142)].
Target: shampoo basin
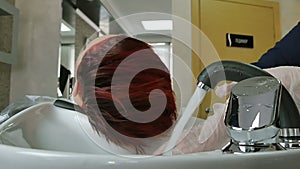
[(46, 136)]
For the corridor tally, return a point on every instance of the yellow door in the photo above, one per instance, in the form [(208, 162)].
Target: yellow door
[(257, 20)]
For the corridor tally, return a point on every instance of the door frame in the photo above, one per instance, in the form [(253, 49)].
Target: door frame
[(196, 65), (196, 22)]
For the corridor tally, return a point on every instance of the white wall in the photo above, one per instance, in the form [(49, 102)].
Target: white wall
[(163, 51), (36, 70), (182, 73), (289, 14)]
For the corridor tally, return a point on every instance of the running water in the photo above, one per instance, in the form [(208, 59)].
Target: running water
[(192, 105)]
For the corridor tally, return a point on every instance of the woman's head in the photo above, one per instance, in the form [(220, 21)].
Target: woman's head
[(117, 81)]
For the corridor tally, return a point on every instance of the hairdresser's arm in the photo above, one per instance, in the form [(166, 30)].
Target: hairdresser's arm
[(208, 135), (286, 52)]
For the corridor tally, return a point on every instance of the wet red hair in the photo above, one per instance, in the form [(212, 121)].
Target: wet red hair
[(95, 77)]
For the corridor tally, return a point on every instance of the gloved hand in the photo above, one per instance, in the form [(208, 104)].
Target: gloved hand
[(288, 75), (223, 90), (206, 136)]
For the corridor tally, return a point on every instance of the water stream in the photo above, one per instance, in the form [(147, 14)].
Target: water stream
[(192, 105)]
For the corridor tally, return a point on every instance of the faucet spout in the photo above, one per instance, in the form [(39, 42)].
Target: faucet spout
[(228, 70), (216, 72)]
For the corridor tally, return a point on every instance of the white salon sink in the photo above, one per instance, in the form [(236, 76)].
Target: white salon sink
[(46, 136)]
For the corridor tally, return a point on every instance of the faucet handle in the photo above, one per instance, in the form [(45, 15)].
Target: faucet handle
[(253, 110)]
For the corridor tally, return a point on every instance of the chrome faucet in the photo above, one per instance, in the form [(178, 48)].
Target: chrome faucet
[(283, 129), (252, 115)]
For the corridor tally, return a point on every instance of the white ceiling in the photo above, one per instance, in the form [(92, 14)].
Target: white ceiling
[(130, 13)]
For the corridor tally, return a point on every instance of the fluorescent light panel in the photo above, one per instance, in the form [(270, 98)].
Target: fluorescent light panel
[(155, 25), (157, 44)]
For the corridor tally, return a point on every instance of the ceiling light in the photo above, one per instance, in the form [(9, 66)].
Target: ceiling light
[(158, 44), (154, 25), (64, 28)]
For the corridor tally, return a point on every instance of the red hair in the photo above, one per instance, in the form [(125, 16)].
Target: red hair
[(105, 68)]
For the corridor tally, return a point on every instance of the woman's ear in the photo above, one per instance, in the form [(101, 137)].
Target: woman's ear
[(75, 89), (77, 94)]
